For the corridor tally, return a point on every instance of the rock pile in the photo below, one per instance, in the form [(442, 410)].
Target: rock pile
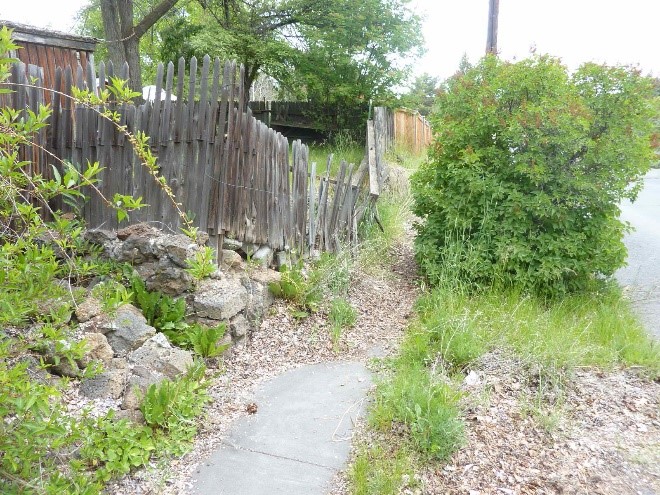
[(133, 354)]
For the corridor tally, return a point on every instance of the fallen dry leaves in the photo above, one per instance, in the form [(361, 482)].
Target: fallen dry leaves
[(600, 435)]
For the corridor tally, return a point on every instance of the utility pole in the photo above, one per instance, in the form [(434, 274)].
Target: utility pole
[(493, 14)]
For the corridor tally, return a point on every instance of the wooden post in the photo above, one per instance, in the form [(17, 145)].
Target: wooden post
[(493, 14)]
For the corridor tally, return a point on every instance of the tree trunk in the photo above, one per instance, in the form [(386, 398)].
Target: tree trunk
[(123, 35)]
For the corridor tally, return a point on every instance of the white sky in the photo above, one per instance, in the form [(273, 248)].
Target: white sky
[(612, 31)]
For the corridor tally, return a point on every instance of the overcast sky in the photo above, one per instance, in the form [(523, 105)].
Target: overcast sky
[(612, 31)]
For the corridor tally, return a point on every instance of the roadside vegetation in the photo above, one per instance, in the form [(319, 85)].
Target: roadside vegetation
[(518, 236)]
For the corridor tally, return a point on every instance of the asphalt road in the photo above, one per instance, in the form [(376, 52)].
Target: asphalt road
[(642, 275)]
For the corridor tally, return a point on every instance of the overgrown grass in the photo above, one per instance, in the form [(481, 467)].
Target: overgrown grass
[(342, 148), (341, 316), (381, 469), (578, 330)]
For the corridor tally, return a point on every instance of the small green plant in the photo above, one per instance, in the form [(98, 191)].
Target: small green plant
[(341, 316), (382, 468), (161, 311), (202, 265), (294, 286), (171, 406), (112, 295), (115, 447), (167, 316), (204, 341), (425, 404)]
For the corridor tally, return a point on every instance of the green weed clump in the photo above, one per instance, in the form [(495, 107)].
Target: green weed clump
[(426, 403), (342, 315), (381, 469), (296, 287), (167, 314)]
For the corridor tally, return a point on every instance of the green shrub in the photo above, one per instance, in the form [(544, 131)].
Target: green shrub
[(527, 170), (170, 407), (295, 287)]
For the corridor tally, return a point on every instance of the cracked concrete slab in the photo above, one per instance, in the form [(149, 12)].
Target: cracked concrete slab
[(297, 440)]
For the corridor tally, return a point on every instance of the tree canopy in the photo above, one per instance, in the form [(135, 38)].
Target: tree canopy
[(327, 51), (421, 94)]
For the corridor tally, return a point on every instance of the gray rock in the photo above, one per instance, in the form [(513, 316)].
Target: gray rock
[(159, 355), (220, 299), (100, 236), (259, 296), (282, 258), (135, 250), (249, 248), (98, 349), (146, 271), (232, 244), (109, 384), (239, 326), (138, 382), (178, 248), (65, 368), (202, 238), (169, 278), (133, 415), (231, 258), (265, 276), (138, 230), (264, 255), (88, 309), (58, 365), (126, 330)]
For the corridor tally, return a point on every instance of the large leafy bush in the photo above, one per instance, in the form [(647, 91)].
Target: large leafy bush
[(527, 171)]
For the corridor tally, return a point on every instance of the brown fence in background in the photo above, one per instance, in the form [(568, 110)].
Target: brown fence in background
[(411, 130), (230, 172)]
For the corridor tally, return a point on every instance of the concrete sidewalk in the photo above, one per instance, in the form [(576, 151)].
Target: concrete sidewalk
[(298, 439)]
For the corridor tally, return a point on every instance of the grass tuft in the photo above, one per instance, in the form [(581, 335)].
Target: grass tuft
[(380, 469), (579, 330)]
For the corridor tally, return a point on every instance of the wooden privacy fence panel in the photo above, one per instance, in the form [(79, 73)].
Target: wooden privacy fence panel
[(230, 172), (411, 130)]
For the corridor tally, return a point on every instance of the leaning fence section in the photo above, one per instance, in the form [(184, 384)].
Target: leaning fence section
[(230, 172)]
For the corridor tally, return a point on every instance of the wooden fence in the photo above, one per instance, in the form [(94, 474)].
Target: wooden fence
[(411, 130), (229, 171)]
